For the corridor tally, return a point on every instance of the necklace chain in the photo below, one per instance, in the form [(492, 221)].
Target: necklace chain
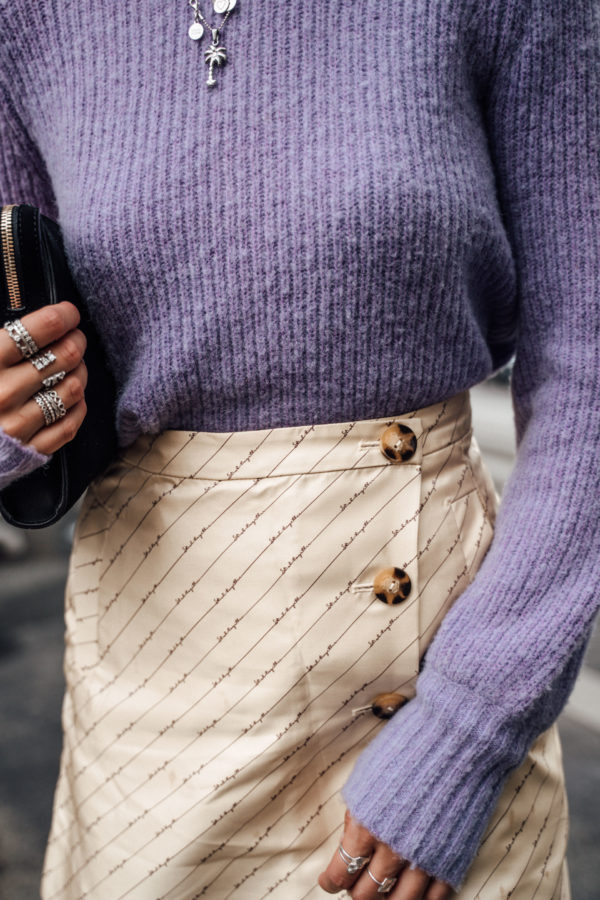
[(198, 15), (216, 55)]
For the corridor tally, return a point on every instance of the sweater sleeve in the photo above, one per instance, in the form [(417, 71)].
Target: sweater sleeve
[(23, 179), (504, 660)]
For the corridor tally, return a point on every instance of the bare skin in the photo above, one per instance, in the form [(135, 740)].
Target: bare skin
[(52, 327), (412, 884)]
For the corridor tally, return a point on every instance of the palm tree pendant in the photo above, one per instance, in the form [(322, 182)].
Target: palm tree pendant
[(216, 55)]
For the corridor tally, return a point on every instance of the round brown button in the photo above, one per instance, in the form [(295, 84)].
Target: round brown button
[(385, 705), (392, 585), (398, 442)]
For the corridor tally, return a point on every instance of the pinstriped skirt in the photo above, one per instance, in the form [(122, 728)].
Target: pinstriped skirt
[(224, 642)]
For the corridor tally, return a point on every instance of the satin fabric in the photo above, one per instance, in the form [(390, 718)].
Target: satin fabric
[(224, 644)]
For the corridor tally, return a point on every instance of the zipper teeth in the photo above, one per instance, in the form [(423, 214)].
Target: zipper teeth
[(8, 255)]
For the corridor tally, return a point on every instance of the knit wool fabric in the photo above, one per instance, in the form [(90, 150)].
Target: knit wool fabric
[(373, 209)]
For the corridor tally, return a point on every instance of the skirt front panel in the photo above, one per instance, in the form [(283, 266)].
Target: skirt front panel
[(227, 629)]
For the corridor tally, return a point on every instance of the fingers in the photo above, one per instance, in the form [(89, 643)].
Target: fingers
[(408, 884), (53, 437), (415, 884), (45, 325), (20, 414), (21, 381), (356, 841), (412, 884), (439, 890), (384, 865), (27, 423)]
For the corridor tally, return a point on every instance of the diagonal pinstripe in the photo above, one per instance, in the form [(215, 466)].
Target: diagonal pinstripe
[(284, 457), (253, 561), (531, 829), (124, 504), (214, 562), (283, 696), (555, 795), (198, 700), (342, 673), (196, 818), (185, 511)]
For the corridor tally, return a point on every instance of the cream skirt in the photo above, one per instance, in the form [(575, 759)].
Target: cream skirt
[(234, 605)]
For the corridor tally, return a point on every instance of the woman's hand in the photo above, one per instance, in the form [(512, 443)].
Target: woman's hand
[(412, 884), (52, 326)]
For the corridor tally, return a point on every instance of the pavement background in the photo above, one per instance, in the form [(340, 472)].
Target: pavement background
[(31, 687)]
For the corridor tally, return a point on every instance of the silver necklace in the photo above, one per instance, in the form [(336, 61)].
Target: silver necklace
[(216, 54)]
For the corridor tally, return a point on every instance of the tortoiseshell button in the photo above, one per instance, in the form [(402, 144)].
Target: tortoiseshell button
[(385, 705), (392, 585), (398, 442)]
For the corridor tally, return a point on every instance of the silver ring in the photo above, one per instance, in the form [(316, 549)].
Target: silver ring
[(42, 359), (353, 863), (21, 337), (51, 405), (386, 885), (50, 380)]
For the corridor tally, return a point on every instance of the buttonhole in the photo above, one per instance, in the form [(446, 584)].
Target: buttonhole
[(356, 587)]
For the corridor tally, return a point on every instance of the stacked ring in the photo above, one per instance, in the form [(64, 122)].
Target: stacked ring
[(24, 341), (50, 380), (385, 886), (42, 359), (51, 405), (353, 863)]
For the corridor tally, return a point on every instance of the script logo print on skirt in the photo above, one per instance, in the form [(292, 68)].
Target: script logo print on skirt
[(217, 707)]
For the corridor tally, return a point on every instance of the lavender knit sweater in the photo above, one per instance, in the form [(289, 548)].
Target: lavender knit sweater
[(375, 207)]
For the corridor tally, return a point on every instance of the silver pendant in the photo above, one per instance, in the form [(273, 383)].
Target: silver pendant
[(196, 30), (216, 55), (221, 6)]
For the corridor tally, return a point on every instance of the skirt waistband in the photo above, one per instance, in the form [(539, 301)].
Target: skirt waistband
[(287, 450)]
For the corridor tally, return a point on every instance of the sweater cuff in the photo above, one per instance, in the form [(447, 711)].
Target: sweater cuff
[(428, 784), (17, 459)]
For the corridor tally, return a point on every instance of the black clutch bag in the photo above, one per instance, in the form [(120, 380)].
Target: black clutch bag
[(35, 273)]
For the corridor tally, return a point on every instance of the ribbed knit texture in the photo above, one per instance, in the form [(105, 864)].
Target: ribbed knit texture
[(377, 205), (17, 459)]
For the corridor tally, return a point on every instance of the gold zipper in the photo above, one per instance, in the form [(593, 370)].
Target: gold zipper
[(8, 256)]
